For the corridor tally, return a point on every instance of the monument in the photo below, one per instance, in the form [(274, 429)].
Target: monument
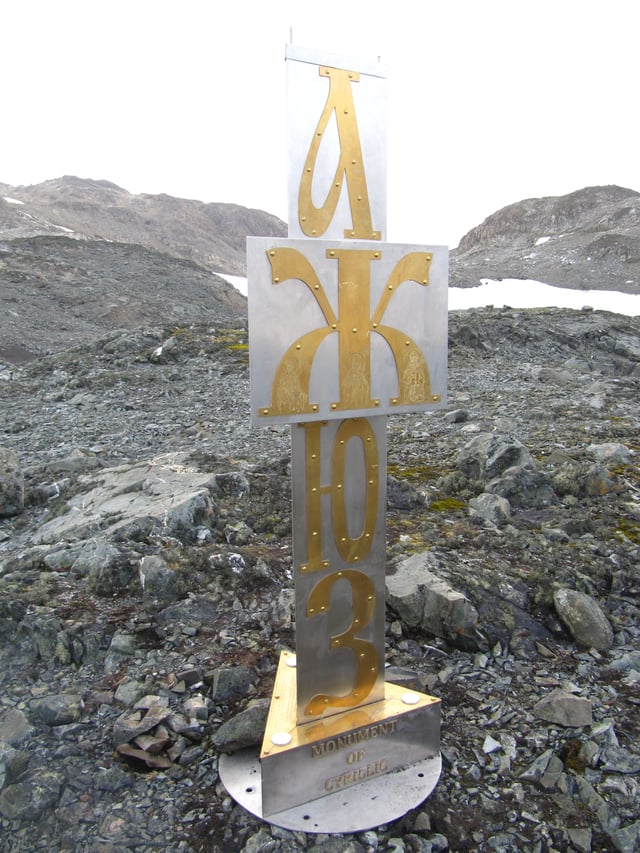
[(345, 329)]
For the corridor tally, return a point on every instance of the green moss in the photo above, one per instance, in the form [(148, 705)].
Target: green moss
[(415, 473), (628, 530), (447, 505)]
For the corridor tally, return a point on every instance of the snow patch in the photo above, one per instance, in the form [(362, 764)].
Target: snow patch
[(519, 293), (10, 200), (238, 281), (542, 240)]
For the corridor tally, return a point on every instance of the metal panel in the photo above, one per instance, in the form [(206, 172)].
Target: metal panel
[(345, 329), (339, 502), (337, 146)]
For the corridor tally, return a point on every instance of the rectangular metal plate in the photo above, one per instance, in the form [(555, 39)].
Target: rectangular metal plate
[(339, 472), (337, 146), (341, 329)]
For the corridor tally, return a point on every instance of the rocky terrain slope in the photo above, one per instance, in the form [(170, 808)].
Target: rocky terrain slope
[(98, 258), (146, 589), (588, 239)]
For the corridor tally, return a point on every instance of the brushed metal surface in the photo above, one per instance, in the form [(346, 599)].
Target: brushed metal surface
[(308, 91), (321, 667), (302, 363), (366, 805)]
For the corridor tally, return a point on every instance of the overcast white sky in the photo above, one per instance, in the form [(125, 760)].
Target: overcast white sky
[(489, 101)]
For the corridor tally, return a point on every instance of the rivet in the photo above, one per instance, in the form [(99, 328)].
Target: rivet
[(314, 408), (314, 489), (276, 280), (340, 573), (394, 401), (316, 287), (332, 253), (265, 411), (425, 281), (313, 231), (325, 564), (334, 406), (353, 162), (315, 533), (376, 254), (390, 287), (376, 402), (339, 486), (353, 233), (303, 219), (311, 610), (354, 330), (355, 560), (374, 325), (298, 346), (272, 254), (435, 397), (359, 198), (308, 169), (337, 184), (407, 343), (334, 326)]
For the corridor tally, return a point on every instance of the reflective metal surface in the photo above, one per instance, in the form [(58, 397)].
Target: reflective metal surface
[(337, 146), (339, 330), (368, 804), (339, 502)]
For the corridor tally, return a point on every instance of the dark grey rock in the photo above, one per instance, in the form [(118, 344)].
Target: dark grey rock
[(565, 709), (231, 683), (244, 729), (57, 710), (488, 455), (584, 618), (29, 799), (15, 727)]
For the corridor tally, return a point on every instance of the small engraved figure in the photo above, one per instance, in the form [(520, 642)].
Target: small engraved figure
[(356, 385), (290, 396), (414, 379)]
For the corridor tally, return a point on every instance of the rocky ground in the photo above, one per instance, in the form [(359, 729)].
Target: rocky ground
[(145, 590)]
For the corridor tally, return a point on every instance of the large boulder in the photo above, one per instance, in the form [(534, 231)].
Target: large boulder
[(584, 618), (490, 454), (423, 600)]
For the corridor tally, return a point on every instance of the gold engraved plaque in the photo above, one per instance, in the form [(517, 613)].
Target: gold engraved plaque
[(340, 330)]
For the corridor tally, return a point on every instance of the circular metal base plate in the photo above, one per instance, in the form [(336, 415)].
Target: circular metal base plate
[(363, 806)]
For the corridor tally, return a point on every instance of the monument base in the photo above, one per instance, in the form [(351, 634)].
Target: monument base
[(325, 772), (363, 806)]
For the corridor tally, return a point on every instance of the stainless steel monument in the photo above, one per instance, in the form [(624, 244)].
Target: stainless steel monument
[(344, 330)]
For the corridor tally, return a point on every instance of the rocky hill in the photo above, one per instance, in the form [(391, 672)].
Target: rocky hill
[(589, 239), (97, 258)]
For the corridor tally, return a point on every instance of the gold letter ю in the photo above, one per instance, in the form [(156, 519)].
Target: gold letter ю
[(351, 549), (314, 221)]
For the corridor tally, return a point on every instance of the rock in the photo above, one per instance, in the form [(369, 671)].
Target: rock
[(584, 618), (231, 683), (178, 501), (584, 479), (244, 729), (564, 709), (158, 581), (522, 487), (627, 838), (490, 507), (488, 455), (11, 484), (15, 727), (57, 710), (121, 648), (13, 762), (29, 799), (610, 452), (424, 600)]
